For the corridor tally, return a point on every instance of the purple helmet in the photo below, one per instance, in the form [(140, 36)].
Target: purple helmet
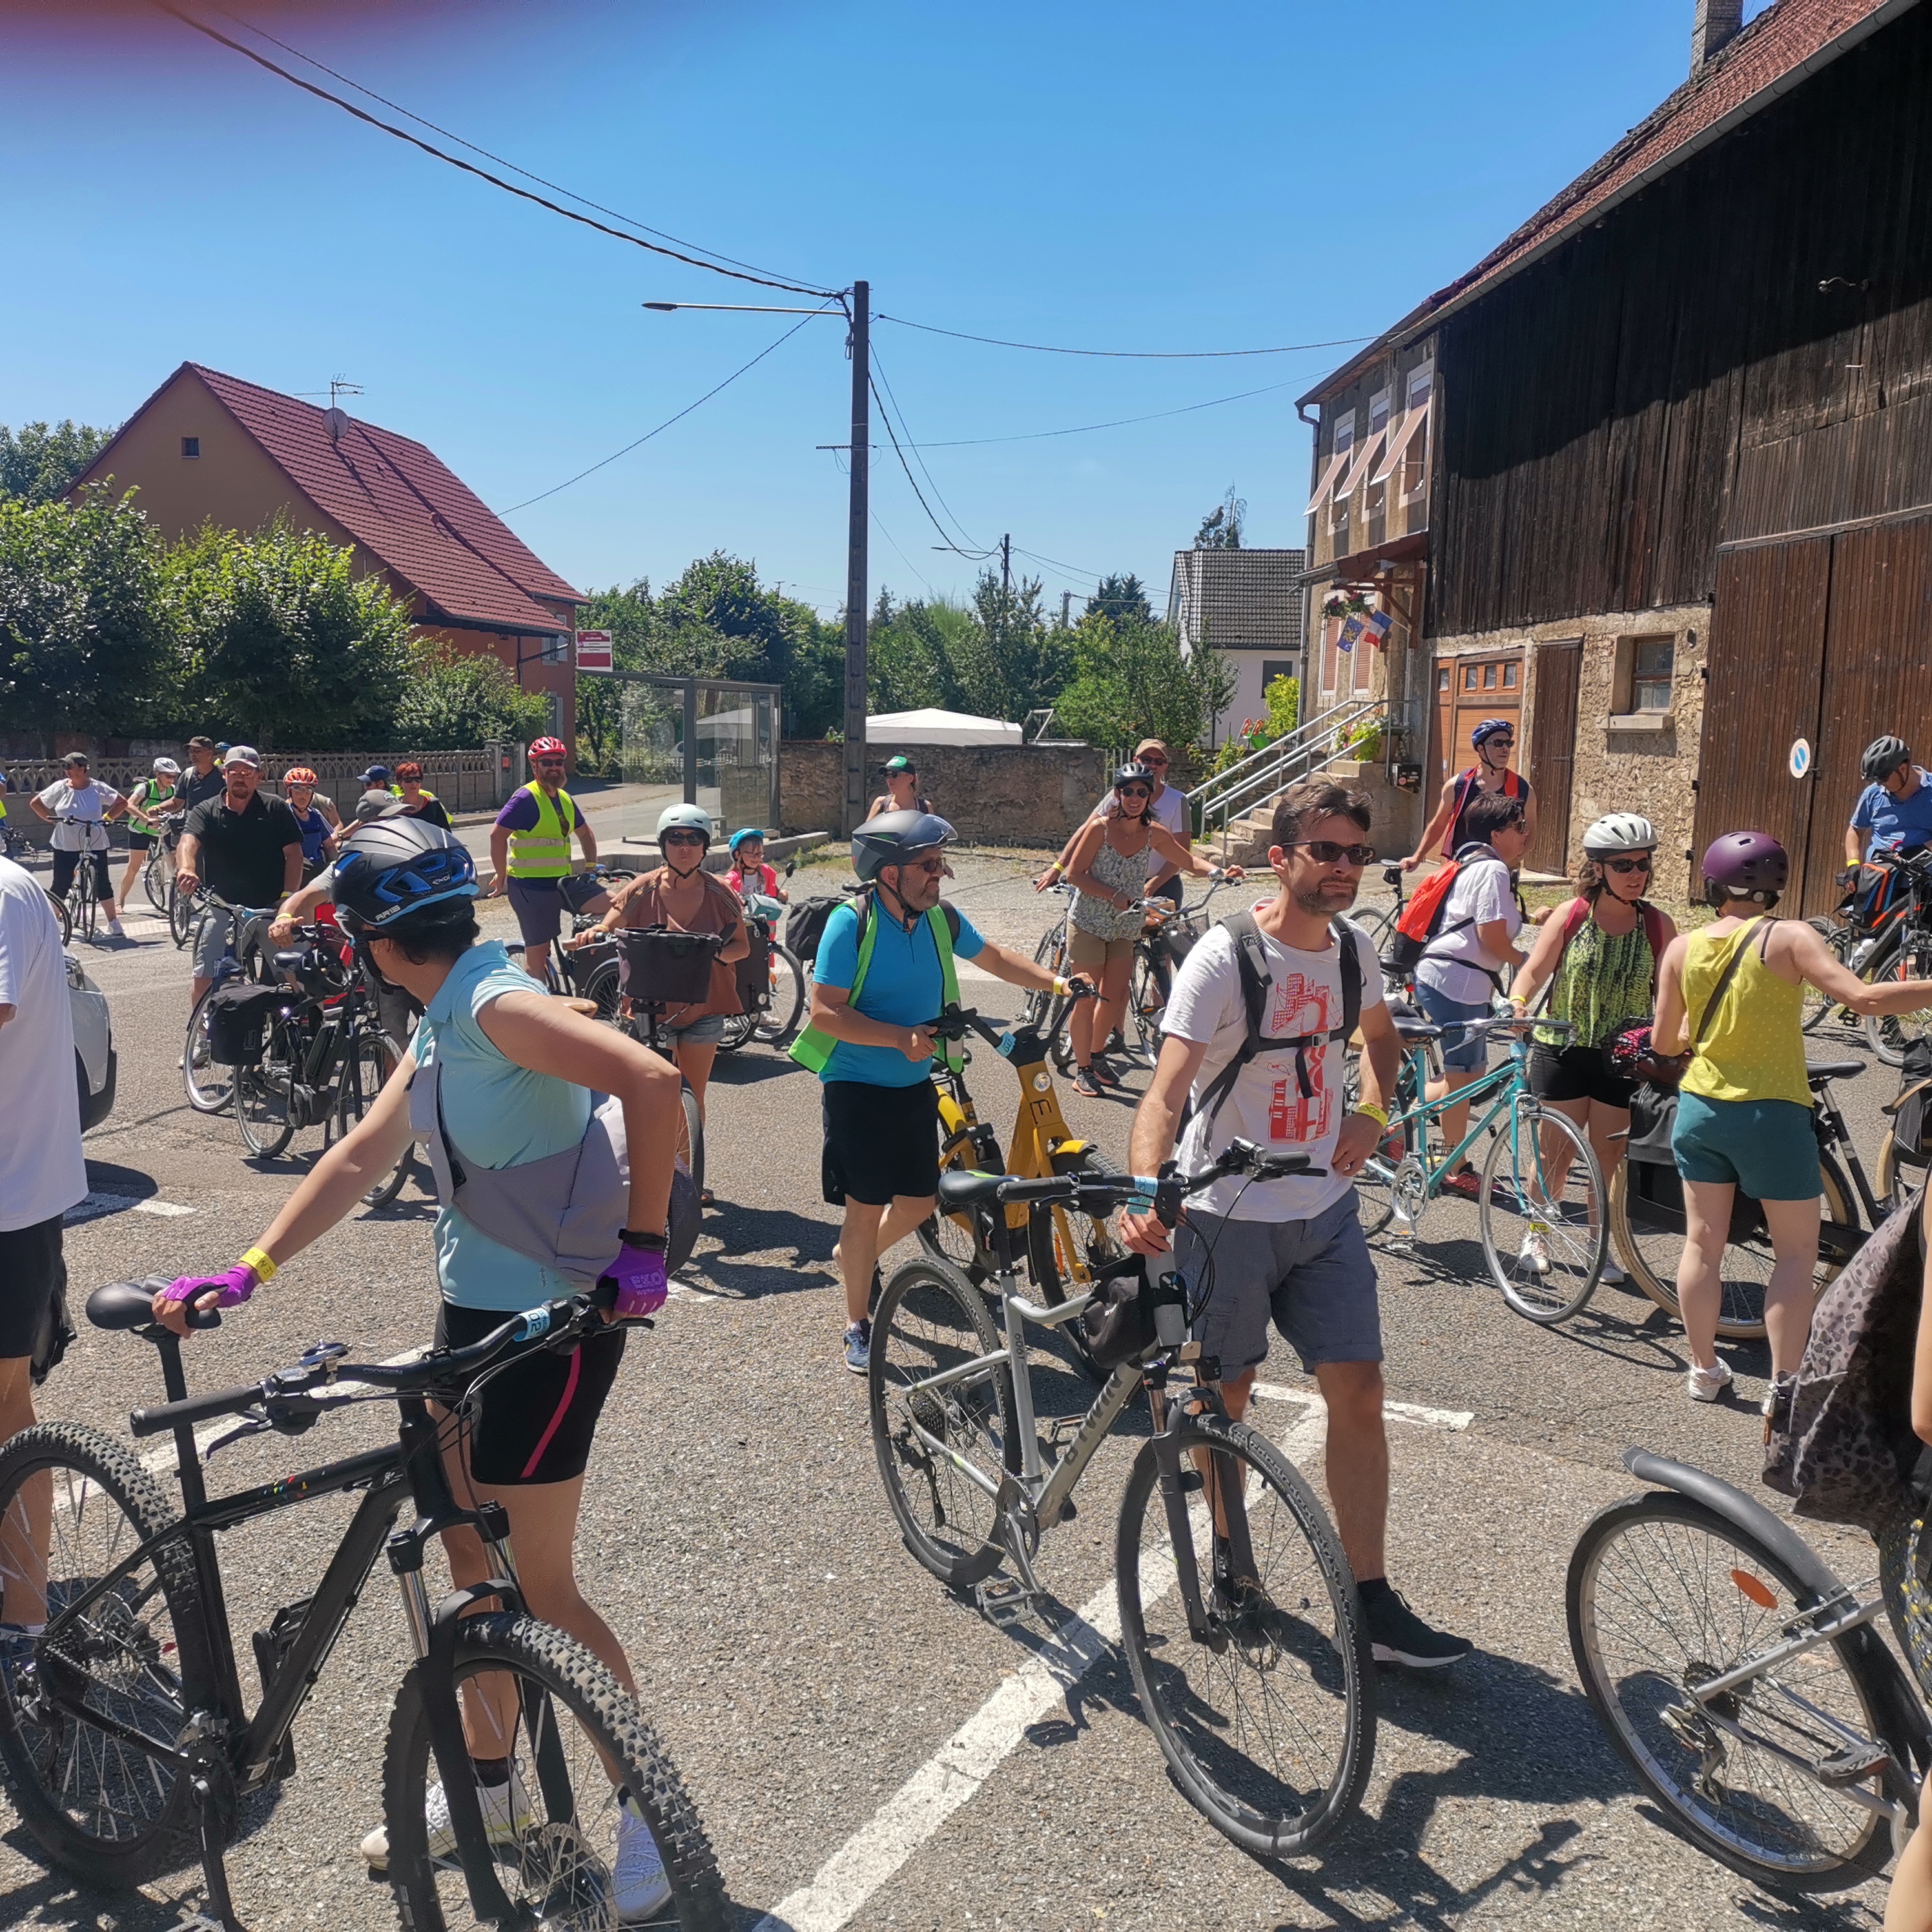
[(1746, 865)]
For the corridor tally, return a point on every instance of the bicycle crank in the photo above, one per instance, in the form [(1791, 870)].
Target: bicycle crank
[(1408, 1195)]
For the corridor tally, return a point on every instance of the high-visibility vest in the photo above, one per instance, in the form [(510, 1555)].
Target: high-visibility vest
[(543, 852), (813, 1049)]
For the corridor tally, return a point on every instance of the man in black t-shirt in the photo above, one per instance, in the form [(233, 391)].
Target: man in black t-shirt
[(202, 780), (246, 848)]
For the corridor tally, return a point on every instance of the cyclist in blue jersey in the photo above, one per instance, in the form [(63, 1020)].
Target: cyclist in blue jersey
[(1894, 810)]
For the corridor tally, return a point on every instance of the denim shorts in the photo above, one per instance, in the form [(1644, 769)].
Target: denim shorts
[(1766, 1148), (1465, 1052), (707, 1030)]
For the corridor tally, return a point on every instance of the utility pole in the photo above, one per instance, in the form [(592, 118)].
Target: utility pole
[(1066, 604), (1006, 565), (856, 588)]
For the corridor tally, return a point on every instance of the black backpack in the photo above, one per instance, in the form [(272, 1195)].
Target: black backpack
[(804, 923), (1252, 963)]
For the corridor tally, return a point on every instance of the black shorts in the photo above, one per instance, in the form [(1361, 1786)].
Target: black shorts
[(33, 1296), (533, 1421), (1577, 1073), (881, 1143), (66, 864), (140, 842)]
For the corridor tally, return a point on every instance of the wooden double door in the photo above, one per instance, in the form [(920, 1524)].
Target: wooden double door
[(1818, 646), (1467, 690)]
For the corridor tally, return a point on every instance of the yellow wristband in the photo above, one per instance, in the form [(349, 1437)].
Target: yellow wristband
[(1375, 1113), (1059, 985), (257, 1259)]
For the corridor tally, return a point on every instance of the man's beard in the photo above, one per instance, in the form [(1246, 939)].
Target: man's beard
[(1318, 902)]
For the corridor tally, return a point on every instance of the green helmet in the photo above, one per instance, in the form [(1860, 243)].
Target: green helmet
[(684, 818)]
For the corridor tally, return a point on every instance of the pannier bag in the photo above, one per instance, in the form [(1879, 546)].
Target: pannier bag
[(1911, 1112), (805, 926), (754, 970), (658, 966), (238, 1022), (1879, 888)]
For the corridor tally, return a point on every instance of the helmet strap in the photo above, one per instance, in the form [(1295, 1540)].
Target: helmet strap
[(685, 872), (907, 919)]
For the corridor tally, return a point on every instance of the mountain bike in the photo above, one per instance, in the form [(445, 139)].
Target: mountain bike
[(210, 1086), (1647, 1223), (1743, 1682), (1238, 1612), (1539, 1198), (128, 1742)]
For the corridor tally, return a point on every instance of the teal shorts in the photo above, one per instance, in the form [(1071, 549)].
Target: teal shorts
[(1766, 1148)]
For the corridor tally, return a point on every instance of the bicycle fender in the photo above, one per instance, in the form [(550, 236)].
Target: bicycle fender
[(1065, 1155), (1743, 1513)]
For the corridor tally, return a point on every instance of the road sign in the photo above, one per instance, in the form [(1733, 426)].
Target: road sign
[(1800, 759), (593, 650)]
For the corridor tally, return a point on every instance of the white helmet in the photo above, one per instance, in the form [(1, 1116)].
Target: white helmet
[(167, 768), (1619, 831)]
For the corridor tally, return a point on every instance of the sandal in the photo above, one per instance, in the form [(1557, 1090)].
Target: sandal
[(1085, 1083)]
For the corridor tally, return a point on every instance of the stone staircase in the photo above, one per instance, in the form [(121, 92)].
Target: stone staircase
[(1235, 809)]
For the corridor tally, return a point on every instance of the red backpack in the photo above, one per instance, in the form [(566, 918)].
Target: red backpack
[(1421, 919)]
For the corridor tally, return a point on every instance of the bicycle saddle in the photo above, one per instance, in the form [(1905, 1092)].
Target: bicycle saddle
[(959, 1190), (1834, 1069), (1411, 1030), (125, 1304)]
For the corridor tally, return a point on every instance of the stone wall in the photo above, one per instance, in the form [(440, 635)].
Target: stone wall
[(995, 794)]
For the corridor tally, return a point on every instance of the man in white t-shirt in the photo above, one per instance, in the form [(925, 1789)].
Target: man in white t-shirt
[(79, 806), (1291, 1252)]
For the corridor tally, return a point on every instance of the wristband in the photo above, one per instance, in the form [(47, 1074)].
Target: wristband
[(1376, 1114), (1059, 986), (636, 1238), (257, 1259)]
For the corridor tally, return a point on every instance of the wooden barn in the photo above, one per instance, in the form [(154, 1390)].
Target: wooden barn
[(1679, 497)]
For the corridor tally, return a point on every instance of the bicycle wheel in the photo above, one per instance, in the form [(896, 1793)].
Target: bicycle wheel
[(1815, 1005), (1050, 953), (931, 1318), (180, 913), (954, 1238), (154, 882), (264, 1093), (1897, 1180), (601, 987), (1890, 1034), (210, 1086), (130, 1651), (1147, 1005), (1664, 1595), (691, 1137), (1267, 1719), (1375, 1185), (66, 920), (738, 1031), (1066, 1249), (84, 913), (371, 1058), (779, 1020), (567, 1728), (1542, 1214), (1647, 1224)]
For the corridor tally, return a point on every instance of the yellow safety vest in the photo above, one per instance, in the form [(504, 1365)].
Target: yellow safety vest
[(544, 853)]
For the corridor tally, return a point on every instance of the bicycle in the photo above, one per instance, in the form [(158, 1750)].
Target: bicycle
[(773, 1012), (157, 870), (1647, 1217), (129, 1746), (1743, 1683), (79, 906), (1254, 1678), (1898, 944), (1540, 1200), (1379, 922), (211, 1087)]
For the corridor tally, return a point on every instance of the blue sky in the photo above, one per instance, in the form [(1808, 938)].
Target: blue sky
[(1121, 175)]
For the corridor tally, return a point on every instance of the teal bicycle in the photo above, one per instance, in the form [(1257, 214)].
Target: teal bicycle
[(1541, 1197)]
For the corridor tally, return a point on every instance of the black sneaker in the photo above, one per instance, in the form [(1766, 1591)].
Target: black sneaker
[(1397, 1635)]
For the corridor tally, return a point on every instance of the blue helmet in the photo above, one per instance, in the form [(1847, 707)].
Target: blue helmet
[(392, 867), (743, 832), (1489, 727)]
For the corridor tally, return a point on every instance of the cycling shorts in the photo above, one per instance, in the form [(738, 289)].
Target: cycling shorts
[(139, 841), (1577, 1073), (533, 1421)]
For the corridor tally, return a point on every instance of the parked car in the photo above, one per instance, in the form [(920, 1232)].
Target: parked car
[(95, 1060)]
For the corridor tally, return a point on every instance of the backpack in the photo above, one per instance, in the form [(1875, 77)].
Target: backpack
[(805, 924), (1252, 963), (1421, 919), (1514, 786), (813, 1049), (1576, 918)]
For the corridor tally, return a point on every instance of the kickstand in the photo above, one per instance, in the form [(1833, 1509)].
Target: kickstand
[(221, 1911)]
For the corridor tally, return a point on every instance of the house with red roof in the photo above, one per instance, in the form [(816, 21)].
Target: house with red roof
[(1653, 478), (206, 447)]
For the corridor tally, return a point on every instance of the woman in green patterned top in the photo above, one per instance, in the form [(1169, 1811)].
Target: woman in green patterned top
[(1598, 953)]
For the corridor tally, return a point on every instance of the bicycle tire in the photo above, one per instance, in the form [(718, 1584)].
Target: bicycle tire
[(601, 988), (1375, 1185), (105, 1506), (180, 913), (929, 1318), (86, 912), (1889, 1034), (779, 1020), (690, 1136), (371, 1058), (739, 1028), (264, 1114), (210, 1086), (955, 1238), (154, 885), (560, 1866), (1560, 1250), (1186, 1686), (1898, 1180), (1670, 1754), (1147, 1004), (1905, 1564), (1050, 953), (1746, 1266), (1066, 1251), (66, 919), (1813, 1006)]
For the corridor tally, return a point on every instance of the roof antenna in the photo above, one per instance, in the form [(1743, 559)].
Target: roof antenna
[(337, 419)]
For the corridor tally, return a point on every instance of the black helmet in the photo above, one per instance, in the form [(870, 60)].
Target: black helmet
[(893, 837), (1883, 756), (1133, 774), (391, 867)]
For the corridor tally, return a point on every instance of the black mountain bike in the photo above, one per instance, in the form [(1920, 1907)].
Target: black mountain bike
[(125, 1732)]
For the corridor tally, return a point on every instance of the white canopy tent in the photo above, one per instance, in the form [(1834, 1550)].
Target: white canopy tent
[(932, 726)]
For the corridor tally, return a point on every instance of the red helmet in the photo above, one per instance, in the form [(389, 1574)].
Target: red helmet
[(547, 748)]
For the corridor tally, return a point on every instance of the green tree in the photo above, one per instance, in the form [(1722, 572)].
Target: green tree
[(1123, 599), (1016, 663), (1130, 682), (1221, 528), (40, 463), (455, 701), (83, 636), (278, 636)]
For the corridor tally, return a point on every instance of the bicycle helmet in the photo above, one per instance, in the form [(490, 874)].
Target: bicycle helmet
[(1745, 866), (392, 867), (1489, 727), (1135, 773), (743, 832), (1883, 756), (165, 768), (1619, 831), (685, 817), (547, 748), (894, 837), (300, 774)]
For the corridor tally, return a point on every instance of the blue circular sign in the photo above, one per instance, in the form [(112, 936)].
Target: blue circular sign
[(1800, 760)]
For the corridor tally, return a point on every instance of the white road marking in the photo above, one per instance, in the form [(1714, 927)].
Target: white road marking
[(90, 1207), (1400, 1411)]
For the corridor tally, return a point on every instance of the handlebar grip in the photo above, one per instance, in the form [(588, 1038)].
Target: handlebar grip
[(196, 1409)]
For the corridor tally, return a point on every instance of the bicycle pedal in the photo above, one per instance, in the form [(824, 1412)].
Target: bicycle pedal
[(1003, 1600), (1851, 1766)]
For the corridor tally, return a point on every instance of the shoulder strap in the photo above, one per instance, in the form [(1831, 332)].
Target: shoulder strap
[(1724, 978), (1576, 917)]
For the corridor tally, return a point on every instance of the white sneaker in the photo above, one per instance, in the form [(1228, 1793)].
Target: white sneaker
[(643, 1887), (507, 1814), (1534, 1255), (1612, 1274), (1707, 1384), (115, 930)]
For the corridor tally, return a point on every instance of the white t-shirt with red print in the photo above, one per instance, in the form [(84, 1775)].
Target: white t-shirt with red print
[(1266, 1104)]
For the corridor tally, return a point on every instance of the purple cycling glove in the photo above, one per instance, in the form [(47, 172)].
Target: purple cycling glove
[(235, 1286), (643, 1284)]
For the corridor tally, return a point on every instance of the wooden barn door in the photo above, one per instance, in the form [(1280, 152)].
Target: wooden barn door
[(1552, 755), (1763, 675)]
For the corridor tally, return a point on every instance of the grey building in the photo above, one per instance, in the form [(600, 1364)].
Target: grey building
[(1250, 605)]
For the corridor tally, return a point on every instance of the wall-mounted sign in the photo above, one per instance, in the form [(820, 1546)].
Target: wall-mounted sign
[(1800, 760), (593, 650)]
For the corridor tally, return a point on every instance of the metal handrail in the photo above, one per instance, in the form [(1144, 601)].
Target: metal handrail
[(1298, 754)]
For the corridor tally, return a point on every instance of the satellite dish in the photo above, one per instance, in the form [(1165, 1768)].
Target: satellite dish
[(338, 420)]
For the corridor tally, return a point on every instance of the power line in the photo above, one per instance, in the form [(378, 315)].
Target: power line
[(946, 540), (924, 470), (1121, 422), (669, 420), (481, 174), (1132, 355), (616, 214)]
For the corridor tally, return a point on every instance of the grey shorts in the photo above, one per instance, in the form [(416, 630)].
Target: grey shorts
[(539, 906), (1313, 1279), (707, 1031), (210, 940)]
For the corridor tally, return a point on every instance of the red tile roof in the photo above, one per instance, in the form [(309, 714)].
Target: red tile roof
[(403, 505)]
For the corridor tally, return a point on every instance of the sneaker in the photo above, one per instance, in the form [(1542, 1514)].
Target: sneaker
[(115, 930), (1086, 1081), (1707, 1384), (644, 1886), (1466, 1182), (1613, 1274), (1397, 1635), (507, 1814), (1533, 1257), (859, 1347)]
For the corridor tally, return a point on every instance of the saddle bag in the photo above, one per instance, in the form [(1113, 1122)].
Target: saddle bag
[(657, 965), (238, 1019), (754, 970), (1118, 1324)]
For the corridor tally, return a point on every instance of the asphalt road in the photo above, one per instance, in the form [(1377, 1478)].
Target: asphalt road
[(806, 1674)]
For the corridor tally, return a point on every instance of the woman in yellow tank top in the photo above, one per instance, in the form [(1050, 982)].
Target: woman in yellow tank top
[(1744, 1111)]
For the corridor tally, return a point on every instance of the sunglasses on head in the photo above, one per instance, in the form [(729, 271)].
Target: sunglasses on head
[(1642, 865), (1326, 852)]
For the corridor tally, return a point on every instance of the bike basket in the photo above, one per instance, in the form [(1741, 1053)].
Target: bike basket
[(238, 1021), (664, 967), (754, 970), (1118, 1323)]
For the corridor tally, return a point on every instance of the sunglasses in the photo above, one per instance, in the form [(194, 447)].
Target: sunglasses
[(1137, 791), (1326, 852), (933, 868), (1500, 744), (1625, 865), (684, 838), (1159, 764)]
